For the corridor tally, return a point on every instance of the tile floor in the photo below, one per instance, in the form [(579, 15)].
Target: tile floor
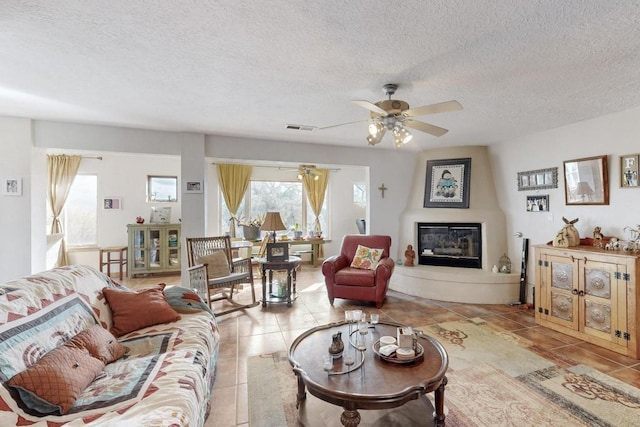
[(273, 328)]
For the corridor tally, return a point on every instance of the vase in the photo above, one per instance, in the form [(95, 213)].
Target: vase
[(337, 346), (251, 232)]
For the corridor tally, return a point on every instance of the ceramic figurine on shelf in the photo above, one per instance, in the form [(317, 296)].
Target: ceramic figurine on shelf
[(597, 237), (409, 256)]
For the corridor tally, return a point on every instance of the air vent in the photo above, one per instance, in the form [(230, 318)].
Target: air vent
[(301, 127)]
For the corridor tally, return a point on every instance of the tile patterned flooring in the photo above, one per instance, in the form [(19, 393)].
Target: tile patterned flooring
[(273, 328)]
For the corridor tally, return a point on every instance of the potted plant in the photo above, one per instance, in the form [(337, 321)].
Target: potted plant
[(297, 234), (251, 229)]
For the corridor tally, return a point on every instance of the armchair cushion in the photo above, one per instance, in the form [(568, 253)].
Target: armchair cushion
[(217, 264), (366, 258)]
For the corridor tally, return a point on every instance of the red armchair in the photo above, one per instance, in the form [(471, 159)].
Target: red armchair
[(347, 282)]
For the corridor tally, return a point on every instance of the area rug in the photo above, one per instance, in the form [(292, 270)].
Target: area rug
[(493, 381)]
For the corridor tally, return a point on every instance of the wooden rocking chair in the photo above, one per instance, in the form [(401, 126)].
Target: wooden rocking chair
[(200, 250)]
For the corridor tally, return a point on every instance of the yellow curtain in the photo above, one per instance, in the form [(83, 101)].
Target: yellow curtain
[(316, 190), (234, 181), (62, 170)]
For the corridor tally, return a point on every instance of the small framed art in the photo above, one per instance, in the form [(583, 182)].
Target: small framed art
[(112, 203), (538, 179), (160, 215), (538, 203), (277, 252), (629, 170), (447, 183), (12, 187), (193, 187)]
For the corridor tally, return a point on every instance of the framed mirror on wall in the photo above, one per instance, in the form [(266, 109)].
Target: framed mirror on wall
[(586, 181)]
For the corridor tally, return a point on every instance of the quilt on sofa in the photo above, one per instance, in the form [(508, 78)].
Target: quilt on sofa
[(165, 378)]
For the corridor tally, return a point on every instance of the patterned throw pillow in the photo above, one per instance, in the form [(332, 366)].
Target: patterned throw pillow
[(366, 258), (136, 310)]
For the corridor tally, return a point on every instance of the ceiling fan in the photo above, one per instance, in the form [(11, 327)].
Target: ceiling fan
[(308, 170), (395, 116)]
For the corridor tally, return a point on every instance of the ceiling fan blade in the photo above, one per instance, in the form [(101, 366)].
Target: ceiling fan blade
[(343, 124), (370, 106), (425, 127), (442, 107)]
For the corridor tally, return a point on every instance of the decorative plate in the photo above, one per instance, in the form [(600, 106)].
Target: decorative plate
[(394, 359)]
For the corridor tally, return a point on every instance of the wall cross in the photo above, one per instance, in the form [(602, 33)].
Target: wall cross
[(382, 188)]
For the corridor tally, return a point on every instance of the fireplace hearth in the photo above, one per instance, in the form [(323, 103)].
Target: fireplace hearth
[(450, 244)]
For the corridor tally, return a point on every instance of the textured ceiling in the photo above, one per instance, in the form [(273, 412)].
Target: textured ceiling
[(247, 68)]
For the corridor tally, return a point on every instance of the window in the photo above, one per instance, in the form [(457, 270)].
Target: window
[(80, 213), (162, 189), (286, 197), (283, 197), (360, 194)]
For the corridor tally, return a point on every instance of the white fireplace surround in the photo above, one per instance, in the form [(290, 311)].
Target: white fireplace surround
[(451, 283)]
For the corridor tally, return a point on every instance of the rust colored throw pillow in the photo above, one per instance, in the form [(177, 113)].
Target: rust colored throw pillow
[(53, 383), (136, 310), (100, 343)]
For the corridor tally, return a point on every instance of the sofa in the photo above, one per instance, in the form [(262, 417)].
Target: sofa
[(161, 374)]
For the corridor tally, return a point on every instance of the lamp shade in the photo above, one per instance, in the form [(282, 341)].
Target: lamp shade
[(273, 222)]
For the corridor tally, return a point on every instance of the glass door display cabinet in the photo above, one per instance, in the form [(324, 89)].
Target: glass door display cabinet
[(154, 248), (589, 293)]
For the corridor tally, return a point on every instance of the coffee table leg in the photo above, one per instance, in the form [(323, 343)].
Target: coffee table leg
[(438, 414), (302, 394), (350, 418)]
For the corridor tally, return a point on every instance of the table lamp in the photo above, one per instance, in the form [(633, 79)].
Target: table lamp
[(273, 222)]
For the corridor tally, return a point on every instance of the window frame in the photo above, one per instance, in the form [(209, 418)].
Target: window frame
[(304, 225), (153, 199)]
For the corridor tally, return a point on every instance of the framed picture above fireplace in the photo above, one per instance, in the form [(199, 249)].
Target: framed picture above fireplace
[(447, 183)]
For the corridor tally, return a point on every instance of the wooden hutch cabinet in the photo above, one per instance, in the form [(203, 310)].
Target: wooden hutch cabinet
[(153, 248), (591, 294)]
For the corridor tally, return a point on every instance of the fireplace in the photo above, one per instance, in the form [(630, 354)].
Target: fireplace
[(450, 244)]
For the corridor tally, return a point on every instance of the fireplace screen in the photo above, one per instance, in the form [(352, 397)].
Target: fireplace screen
[(450, 244)]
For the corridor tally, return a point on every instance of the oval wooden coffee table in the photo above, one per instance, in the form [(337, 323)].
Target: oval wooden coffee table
[(376, 385)]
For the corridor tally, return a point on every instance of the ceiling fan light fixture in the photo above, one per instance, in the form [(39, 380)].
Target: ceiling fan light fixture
[(401, 136), (374, 139), (375, 129)]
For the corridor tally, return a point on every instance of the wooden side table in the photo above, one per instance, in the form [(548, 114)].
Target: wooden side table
[(289, 265), (116, 255)]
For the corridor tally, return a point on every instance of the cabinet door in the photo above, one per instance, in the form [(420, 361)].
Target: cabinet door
[(156, 251), (173, 247), (562, 291), (139, 238), (601, 311)]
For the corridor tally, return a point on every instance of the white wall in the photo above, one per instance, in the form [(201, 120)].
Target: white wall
[(613, 135), (15, 218)]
